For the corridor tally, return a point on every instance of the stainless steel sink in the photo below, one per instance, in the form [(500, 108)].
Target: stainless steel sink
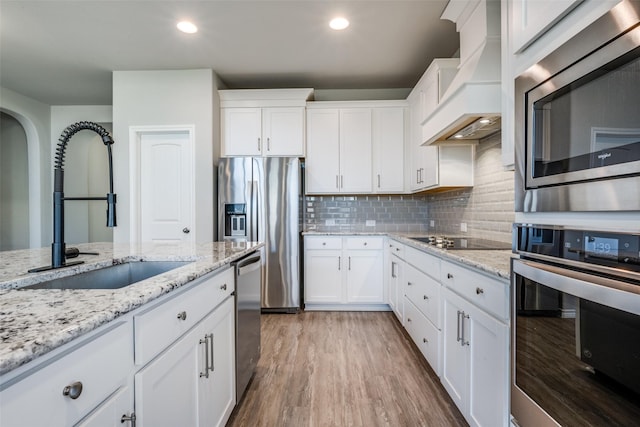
[(112, 277)]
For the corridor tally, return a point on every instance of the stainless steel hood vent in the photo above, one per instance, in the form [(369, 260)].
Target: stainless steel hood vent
[(474, 94)]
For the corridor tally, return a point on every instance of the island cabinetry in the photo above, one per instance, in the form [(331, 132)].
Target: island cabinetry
[(192, 382), (63, 389), (183, 371), (344, 273), (476, 341)]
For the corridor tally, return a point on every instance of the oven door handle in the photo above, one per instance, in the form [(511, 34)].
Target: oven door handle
[(603, 290)]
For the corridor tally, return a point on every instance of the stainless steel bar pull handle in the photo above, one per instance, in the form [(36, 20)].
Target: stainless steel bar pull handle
[(259, 145), (339, 262), (349, 263), (131, 418), (463, 343), (337, 182), (213, 360), (458, 339), (268, 144), (378, 180), (341, 181), (417, 176), (393, 269), (205, 341)]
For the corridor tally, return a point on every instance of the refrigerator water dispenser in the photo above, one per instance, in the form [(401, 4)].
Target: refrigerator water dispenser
[(235, 219)]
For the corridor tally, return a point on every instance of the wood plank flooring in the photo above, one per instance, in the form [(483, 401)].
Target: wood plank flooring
[(342, 369)]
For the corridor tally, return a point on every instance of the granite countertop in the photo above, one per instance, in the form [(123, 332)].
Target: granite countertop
[(36, 321), (493, 262)]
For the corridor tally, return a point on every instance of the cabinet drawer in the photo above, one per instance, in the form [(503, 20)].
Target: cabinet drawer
[(424, 334), (38, 399), (159, 326), (424, 262), (489, 294), (364, 242), (424, 293), (396, 248), (322, 242)]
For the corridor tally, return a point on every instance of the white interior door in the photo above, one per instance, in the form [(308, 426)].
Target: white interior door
[(166, 196)]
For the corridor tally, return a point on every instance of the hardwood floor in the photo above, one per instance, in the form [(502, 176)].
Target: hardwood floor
[(342, 369)]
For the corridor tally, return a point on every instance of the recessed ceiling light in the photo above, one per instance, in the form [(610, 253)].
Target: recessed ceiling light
[(187, 27), (339, 23)]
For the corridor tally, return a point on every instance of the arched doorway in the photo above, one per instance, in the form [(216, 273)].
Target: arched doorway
[(14, 185)]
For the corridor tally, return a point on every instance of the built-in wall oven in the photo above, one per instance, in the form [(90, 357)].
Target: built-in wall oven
[(577, 361), (578, 121)]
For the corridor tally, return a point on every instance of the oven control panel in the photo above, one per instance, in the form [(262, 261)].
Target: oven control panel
[(618, 250)]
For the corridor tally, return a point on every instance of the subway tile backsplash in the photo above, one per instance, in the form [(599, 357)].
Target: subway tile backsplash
[(486, 209), (403, 213)]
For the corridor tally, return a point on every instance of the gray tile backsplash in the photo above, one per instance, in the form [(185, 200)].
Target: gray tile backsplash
[(487, 208)]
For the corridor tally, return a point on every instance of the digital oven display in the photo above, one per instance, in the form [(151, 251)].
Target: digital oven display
[(601, 247)]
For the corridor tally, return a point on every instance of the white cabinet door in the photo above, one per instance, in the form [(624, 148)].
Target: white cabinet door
[(488, 372), (283, 132), (531, 18), (241, 131), (216, 393), (388, 150), (355, 150), (365, 276), (323, 276), (395, 294), (189, 384), (111, 412), (323, 151), (455, 362), (166, 390)]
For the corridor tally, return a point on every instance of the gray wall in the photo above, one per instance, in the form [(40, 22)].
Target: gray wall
[(14, 185)]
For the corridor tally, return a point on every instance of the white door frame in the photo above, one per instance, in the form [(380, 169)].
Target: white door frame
[(135, 134)]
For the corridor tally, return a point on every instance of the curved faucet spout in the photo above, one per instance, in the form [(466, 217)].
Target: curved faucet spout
[(58, 246)]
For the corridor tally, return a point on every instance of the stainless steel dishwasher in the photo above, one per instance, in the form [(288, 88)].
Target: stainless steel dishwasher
[(248, 288)]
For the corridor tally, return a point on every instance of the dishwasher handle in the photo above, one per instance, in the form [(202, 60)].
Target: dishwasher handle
[(248, 264)]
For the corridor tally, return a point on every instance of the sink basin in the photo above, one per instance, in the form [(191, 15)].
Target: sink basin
[(112, 277)]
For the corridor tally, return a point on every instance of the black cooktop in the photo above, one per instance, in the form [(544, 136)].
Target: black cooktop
[(462, 243)]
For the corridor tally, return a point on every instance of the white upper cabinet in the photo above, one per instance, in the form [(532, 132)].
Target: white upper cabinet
[(355, 147), (263, 122), (531, 18), (323, 151), (263, 131), (355, 150), (388, 149)]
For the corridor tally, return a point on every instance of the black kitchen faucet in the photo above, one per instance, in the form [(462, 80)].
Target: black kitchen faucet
[(58, 247)]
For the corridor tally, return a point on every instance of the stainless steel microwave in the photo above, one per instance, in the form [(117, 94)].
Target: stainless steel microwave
[(578, 121)]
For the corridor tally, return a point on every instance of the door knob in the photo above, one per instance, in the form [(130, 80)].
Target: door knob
[(186, 230)]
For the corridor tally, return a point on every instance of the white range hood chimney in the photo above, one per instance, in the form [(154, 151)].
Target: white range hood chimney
[(470, 107)]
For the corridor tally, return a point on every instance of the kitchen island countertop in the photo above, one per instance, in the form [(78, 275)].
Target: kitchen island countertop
[(36, 321)]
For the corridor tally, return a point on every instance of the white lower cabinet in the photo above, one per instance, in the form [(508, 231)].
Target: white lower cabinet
[(475, 361), (344, 272), (183, 372), (191, 383), (395, 279), (65, 388), (114, 412)]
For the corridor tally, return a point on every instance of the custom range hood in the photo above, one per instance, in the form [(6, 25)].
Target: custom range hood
[(469, 109)]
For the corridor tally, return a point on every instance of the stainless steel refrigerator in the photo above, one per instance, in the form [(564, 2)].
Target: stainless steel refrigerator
[(260, 199)]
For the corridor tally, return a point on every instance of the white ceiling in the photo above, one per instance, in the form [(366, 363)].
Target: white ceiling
[(63, 52)]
